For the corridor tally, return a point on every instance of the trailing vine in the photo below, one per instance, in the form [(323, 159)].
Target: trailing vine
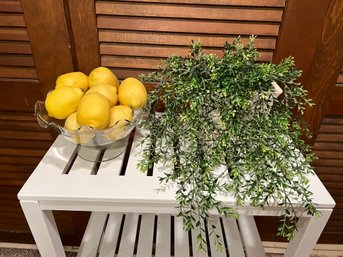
[(224, 131)]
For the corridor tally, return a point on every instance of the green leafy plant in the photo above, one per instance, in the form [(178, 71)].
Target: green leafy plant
[(223, 131)]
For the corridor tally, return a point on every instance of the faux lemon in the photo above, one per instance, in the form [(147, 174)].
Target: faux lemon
[(78, 137), (120, 114), (62, 101), (94, 110), (107, 91), (73, 79), (132, 93), (102, 75), (71, 122)]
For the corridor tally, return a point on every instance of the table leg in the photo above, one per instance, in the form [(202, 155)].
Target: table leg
[(44, 229), (307, 235)]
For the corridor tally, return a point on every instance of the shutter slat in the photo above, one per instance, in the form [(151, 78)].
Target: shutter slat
[(17, 34), (15, 48), (17, 60), (187, 26), (10, 6), (269, 3), (12, 20), (188, 11), (158, 38), (18, 72)]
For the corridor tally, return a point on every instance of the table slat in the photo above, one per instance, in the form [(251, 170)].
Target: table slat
[(146, 234), (233, 237), (251, 237), (216, 222), (127, 242), (163, 235), (91, 239), (110, 237), (181, 239)]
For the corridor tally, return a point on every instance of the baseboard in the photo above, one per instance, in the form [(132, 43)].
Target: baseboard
[(270, 248), (320, 249), (33, 246)]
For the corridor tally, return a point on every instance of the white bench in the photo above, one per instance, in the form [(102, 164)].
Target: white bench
[(132, 215)]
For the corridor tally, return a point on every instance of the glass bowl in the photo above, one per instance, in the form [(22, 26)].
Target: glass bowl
[(110, 141)]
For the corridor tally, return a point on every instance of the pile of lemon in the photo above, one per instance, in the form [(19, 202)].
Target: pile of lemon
[(97, 100)]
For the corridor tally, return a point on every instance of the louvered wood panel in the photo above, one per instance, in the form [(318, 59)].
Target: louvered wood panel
[(16, 60), (329, 167), (335, 105), (22, 141), (135, 35), (340, 79)]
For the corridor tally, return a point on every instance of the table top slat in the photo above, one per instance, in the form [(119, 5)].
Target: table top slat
[(107, 186)]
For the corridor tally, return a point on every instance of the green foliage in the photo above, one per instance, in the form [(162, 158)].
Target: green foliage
[(220, 115)]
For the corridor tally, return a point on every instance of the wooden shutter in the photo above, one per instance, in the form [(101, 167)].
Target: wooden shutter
[(329, 167), (335, 105), (22, 141), (328, 147), (16, 58), (135, 35)]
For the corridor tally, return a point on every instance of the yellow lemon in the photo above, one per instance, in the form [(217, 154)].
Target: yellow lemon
[(94, 110), (73, 79), (132, 93), (107, 91), (62, 101), (117, 132), (120, 114), (102, 75), (71, 122), (77, 137)]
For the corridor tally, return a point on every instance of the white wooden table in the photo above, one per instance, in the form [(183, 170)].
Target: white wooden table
[(131, 215)]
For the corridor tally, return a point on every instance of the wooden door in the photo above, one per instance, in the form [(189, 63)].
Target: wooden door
[(316, 42), (34, 49), (328, 147), (22, 141)]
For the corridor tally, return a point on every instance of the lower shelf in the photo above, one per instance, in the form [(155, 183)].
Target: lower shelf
[(162, 235)]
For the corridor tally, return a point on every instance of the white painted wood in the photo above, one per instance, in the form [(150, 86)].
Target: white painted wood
[(112, 167), (214, 220), (127, 241), (84, 187), (138, 193), (195, 245), (146, 234), (251, 237), (233, 237), (55, 158), (110, 237), (181, 239), (163, 236), (321, 197), (80, 167), (91, 239), (135, 156), (308, 235), (44, 230)]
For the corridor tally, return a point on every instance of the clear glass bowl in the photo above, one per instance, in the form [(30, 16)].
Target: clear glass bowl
[(112, 140)]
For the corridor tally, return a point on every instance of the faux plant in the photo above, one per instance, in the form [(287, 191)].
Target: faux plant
[(224, 132)]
